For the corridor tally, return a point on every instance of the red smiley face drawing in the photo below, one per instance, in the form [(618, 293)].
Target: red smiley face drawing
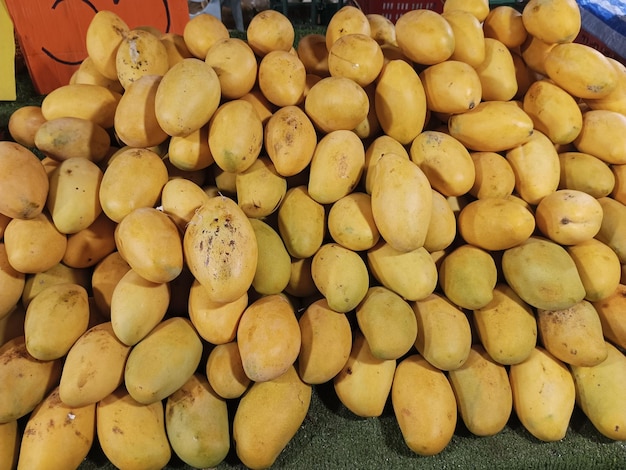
[(52, 34)]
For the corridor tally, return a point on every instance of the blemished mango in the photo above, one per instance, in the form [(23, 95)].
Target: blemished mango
[(196, 422), (132, 434), (573, 335), (48, 429)]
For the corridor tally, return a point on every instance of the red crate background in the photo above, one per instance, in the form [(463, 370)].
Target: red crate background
[(394, 9)]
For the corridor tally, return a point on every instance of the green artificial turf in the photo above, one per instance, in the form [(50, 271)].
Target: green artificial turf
[(331, 437)]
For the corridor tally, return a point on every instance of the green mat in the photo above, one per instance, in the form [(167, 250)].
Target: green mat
[(332, 438)]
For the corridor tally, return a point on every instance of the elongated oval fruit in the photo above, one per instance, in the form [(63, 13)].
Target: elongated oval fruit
[(221, 250), (401, 197)]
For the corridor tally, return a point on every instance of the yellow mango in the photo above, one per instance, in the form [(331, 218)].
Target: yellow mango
[(180, 198), (584, 172), (505, 23), (270, 30), (400, 101), (613, 227), (425, 36), (469, 38), (196, 423), (72, 137), (10, 438), (54, 425), (220, 249), (573, 335), (494, 176), (467, 276), (611, 312), (235, 118), (133, 178), (163, 361), (336, 166), (600, 393), (581, 70), (216, 322), (451, 87), (268, 337), (381, 29), (568, 216), (357, 56), (25, 381), (351, 223), (13, 283), (536, 166), (150, 242), (554, 111), (224, 371), (106, 275), (131, 434), (616, 99), (268, 416), (387, 322), (235, 64), (260, 189), (140, 53), (552, 21), (301, 222), (57, 274), (444, 336), (424, 406), (94, 366), (442, 226), (401, 195), (496, 72), (350, 20), (55, 319), (543, 395), (495, 223), (445, 162), (74, 176), (543, 274), (483, 393), (282, 78), (506, 326), (179, 116), (364, 383), (289, 140), (603, 135), (273, 268), (326, 343), (335, 103), (598, 266), (137, 306), (88, 246), (103, 37), (412, 274), (340, 275), (135, 119), (492, 126)]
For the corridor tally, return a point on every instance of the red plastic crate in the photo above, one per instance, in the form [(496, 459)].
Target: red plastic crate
[(394, 9)]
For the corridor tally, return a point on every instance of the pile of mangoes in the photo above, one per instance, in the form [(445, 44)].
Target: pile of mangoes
[(430, 213)]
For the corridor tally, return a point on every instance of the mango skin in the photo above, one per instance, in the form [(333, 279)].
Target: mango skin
[(268, 416), (196, 422), (424, 405), (600, 393), (54, 425), (543, 395)]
